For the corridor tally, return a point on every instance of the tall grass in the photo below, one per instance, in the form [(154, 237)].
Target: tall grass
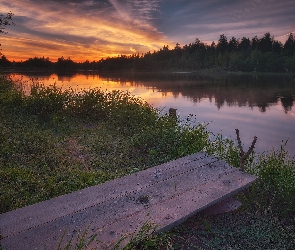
[(37, 131), (55, 141), (274, 192)]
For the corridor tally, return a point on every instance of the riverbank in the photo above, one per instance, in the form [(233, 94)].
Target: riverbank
[(213, 72), (54, 142)]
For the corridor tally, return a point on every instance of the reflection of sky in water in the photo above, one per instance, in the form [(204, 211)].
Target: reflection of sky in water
[(271, 127)]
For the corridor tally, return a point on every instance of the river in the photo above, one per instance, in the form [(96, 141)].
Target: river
[(258, 105)]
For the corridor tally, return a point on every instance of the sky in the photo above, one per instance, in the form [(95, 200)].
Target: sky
[(95, 29)]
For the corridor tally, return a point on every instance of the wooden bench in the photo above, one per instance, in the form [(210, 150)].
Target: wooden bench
[(167, 195)]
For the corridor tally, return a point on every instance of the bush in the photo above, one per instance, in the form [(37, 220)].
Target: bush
[(110, 134), (11, 96), (274, 191)]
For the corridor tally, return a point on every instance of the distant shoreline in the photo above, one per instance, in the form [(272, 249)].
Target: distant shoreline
[(203, 72)]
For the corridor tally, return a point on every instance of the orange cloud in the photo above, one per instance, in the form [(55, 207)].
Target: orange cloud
[(86, 30)]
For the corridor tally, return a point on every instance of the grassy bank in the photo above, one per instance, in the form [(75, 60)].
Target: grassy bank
[(57, 141)]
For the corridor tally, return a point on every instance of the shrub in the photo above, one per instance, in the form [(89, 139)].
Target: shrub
[(274, 191)]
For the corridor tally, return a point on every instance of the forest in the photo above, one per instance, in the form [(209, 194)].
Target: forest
[(245, 55)]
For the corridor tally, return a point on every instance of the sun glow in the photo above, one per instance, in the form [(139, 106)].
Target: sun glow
[(79, 32)]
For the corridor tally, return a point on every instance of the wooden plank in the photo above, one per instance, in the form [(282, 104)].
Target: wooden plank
[(38, 214), (169, 193)]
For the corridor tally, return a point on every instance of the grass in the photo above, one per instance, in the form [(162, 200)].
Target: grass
[(55, 141), (235, 230)]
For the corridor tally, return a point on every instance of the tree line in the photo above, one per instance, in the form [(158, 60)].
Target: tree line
[(246, 55)]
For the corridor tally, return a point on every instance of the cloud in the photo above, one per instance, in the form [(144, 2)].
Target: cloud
[(93, 28), (206, 20), (133, 50)]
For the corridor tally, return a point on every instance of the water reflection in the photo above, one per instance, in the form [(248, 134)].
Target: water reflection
[(257, 105), (230, 90)]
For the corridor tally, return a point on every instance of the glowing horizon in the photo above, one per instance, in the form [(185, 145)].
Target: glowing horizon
[(95, 29), (53, 30)]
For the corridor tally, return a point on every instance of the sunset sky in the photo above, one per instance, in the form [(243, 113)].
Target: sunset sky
[(95, 29)]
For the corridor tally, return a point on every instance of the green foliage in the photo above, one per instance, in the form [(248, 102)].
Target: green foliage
[(59, 141), (239, 62), (10, 94), (147, 239), (85, 136), (236, 231), (225, 149), (289, 63), (167, 139), (45, 102), (128, 113), (120, 108), (6, 85), (87, 104), (89, 137), (274, 191)]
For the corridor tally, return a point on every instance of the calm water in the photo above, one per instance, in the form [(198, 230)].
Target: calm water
[(257, 105)]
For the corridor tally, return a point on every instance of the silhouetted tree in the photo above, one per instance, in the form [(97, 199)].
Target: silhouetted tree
[(289, 63), (233, 44), (254, 43), (4, 62), (37, 62), (289, 46), (245, 44), (265, 43), (257, 60), (65, 64), (263, 55), (213, 46), (5, 21), (177, 50), (222, 44), (277, 47)]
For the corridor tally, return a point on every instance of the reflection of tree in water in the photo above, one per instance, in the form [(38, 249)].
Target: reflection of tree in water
[(263, 100), (231, 95), (287, 102), (261, 92)]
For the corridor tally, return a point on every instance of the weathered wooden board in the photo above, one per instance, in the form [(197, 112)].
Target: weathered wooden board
[(166, 195)]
